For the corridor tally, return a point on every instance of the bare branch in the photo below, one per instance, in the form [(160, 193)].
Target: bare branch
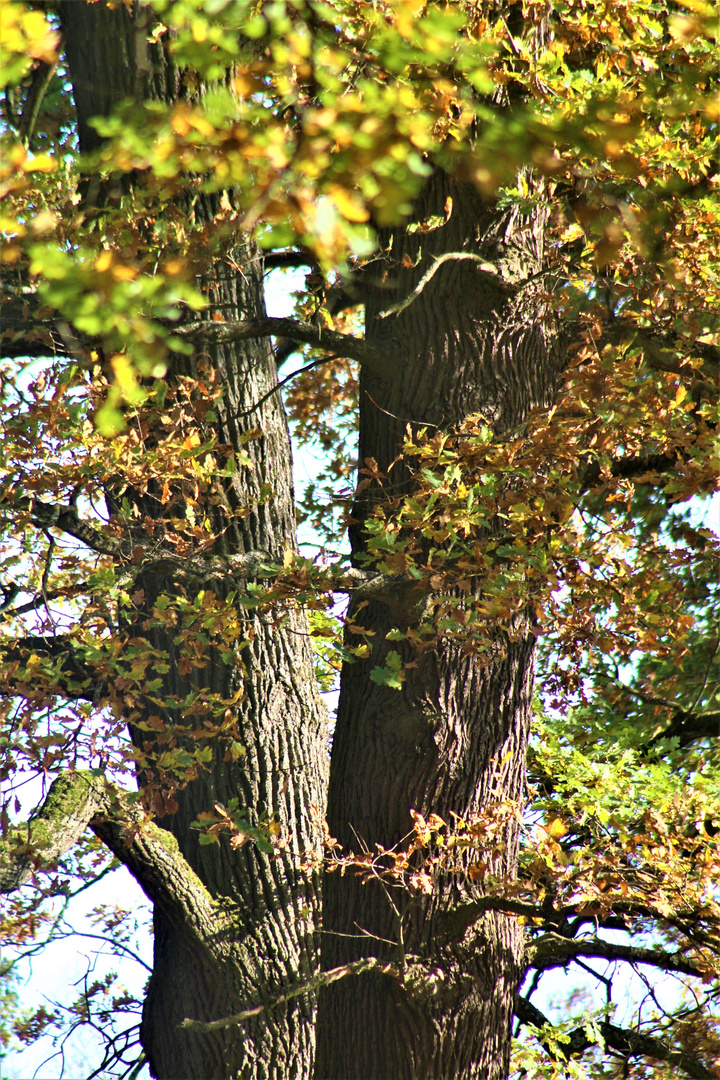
[(37, 600), (485, 269), (278, 386), (65, 518)]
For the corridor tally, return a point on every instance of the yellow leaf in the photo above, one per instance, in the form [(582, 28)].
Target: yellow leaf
[(557, 828), (179, 120), (347, 204), (103, 261), (125, 377), (40, 163), (679, 396), (124, 273)]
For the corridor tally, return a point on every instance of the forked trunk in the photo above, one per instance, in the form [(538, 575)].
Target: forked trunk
[(451, 741)]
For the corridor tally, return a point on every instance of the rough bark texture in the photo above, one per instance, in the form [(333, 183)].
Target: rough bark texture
[(454, 738), (266, 941), (242, 927)]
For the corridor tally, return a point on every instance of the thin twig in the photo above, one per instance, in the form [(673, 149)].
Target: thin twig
[(279, 386), (323, 978), (485, 268)]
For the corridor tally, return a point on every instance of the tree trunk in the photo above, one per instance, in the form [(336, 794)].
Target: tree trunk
[(268, 938), (453, 739)]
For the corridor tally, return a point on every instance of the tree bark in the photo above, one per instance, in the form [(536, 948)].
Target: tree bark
[(453, 739), (270, 905)]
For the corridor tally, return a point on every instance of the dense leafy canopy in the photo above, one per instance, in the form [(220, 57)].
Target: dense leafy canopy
[(315, 126)]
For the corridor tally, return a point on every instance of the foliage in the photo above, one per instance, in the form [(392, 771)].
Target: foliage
[(322, 123)]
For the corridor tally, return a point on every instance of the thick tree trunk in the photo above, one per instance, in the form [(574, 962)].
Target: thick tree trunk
[(266, 940), (454, 738), (281, 723)]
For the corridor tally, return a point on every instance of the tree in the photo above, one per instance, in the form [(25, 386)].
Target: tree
[(522, 198)]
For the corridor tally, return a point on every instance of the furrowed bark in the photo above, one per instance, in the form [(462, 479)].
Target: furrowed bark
[(453, 739), (276, 712)]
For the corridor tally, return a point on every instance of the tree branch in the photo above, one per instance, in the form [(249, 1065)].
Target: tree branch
[(154, 859), (660, 347), (552, 950), (686, 727), (78, 801), (627, 468), (72, 678), (52, 830), (41, 76), (283, 260), (37, 601), (337, 299), (28, 329), (630, 1043), (485, 269), (461, 918), (220, 333), (278, 386), (66, 518), (662, 351)]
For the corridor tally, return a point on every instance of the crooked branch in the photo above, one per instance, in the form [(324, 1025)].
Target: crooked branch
[(485, 269), (67, 520), (79, 800)]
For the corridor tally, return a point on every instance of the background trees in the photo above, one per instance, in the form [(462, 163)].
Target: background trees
[(520, 198)]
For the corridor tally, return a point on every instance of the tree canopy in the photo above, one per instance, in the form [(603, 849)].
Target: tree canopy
[(507, 350)]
